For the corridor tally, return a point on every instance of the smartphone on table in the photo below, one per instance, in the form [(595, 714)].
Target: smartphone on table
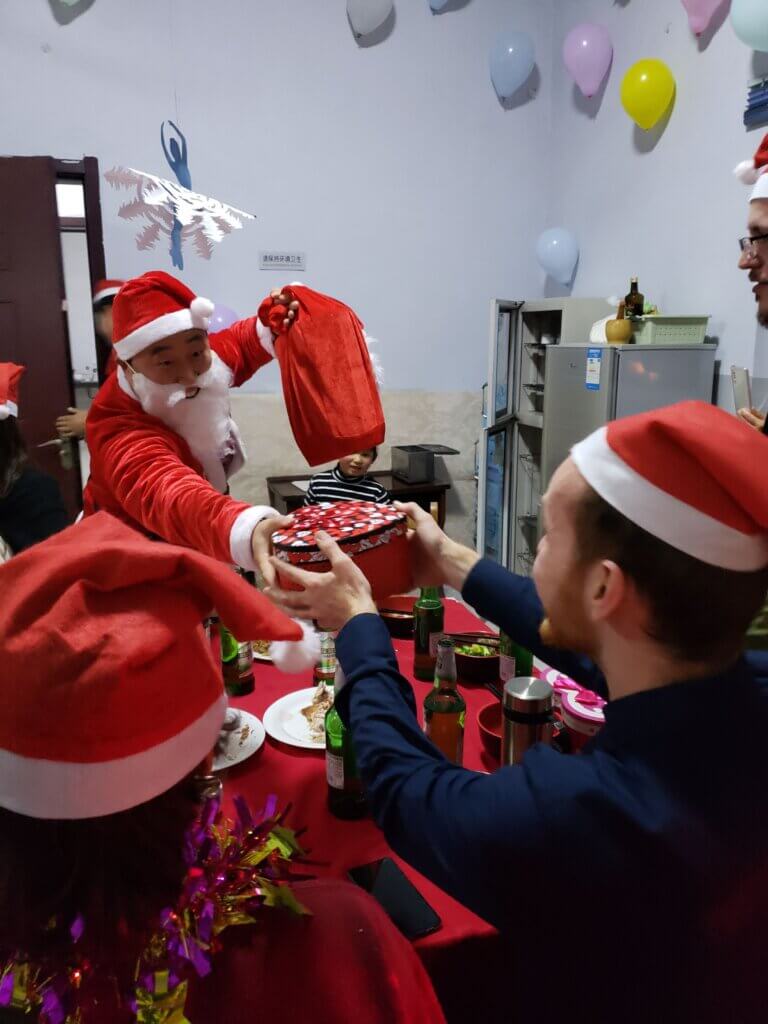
[(402, 901)]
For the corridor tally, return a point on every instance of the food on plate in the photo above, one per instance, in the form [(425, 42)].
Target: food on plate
[(314, 713), (261, 648), (477, 650)]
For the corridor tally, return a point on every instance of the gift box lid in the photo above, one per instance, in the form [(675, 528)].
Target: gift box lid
[(345, 521)]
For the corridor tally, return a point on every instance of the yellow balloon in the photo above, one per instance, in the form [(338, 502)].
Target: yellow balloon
[(647, 92)]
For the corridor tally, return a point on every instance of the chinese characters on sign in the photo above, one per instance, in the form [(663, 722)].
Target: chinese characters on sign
[(283, 261)]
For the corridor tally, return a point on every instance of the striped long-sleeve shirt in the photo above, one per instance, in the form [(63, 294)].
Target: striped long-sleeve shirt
[(332, 485)]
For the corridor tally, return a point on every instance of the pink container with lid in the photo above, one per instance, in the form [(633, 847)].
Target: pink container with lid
[(582, 721)]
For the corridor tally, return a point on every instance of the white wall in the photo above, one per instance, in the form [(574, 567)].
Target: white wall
[(415, 195), (662, 206)]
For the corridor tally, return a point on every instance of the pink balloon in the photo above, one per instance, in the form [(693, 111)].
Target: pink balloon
[(221, 318), (588, 52), (701, 13)]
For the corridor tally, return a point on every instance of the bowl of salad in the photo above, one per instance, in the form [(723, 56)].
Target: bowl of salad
[(477, 657)]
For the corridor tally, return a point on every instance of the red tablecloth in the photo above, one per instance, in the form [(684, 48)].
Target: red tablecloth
[(464, 957)]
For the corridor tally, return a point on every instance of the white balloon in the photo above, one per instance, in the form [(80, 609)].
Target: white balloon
[(558, 253), (367, 15)]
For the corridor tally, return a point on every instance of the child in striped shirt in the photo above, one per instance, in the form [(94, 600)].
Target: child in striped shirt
[(348, 481)]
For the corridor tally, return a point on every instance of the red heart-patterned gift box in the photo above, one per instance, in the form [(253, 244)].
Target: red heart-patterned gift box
[(374, 536)]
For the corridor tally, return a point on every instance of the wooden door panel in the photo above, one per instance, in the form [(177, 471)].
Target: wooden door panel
[(33, 327)]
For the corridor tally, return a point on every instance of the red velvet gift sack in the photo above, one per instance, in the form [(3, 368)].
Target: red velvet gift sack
[(374, 537), (329, 384)]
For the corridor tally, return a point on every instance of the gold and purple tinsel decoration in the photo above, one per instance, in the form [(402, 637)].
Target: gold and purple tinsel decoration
[(234, 869)]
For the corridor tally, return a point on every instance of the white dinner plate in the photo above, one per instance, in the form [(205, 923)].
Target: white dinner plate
[(284, 721), (243, 741)]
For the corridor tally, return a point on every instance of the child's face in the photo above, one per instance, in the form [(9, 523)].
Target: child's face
[(357, 464)]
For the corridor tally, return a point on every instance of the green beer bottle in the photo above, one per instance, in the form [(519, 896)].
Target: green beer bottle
[(514, 660), (325, 669), (428, 621), (346, 798), (236, 663), (444, 707)]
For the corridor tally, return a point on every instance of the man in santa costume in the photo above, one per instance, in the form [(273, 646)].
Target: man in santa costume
[(162, 441), (653, 563)]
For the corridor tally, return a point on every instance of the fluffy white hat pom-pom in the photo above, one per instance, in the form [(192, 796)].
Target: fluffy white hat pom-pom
[(747, 172), (201, 310), (376, 364), (294, 656)]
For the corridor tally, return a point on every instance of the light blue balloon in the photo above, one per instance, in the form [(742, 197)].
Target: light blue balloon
[(558, 252), (438, 5), (750, 22), (512, 61)]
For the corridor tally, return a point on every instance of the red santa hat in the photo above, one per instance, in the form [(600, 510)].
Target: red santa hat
[(110, 693), (689, 474), (10, 375), (152, 307), (106, 289), (753, 172)]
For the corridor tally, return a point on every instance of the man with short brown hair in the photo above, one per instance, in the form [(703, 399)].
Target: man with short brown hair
[(633, 877)]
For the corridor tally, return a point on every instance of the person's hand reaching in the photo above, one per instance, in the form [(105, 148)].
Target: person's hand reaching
[(435, 558), (753, 417), (72, 425), (261, 547), (331, 598)]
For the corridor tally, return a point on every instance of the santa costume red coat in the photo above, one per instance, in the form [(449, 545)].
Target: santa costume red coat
[(143, 471)]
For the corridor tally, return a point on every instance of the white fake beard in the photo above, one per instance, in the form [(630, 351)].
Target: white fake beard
[(203, 421)]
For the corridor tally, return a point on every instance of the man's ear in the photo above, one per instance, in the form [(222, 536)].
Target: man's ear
[(606, 589)]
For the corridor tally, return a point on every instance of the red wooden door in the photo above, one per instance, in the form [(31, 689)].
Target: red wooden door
[(33, 325)]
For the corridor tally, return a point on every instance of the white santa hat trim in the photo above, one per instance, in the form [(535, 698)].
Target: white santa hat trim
[(292, 656), (198, 317), (760, 191), (106, 293), (39, 788), (662, 515), (266, 337), (7, 409)]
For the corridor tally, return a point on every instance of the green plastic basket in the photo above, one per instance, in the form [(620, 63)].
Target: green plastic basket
[(671, 330)]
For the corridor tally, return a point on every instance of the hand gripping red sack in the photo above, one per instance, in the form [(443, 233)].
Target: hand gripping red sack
[(329, 384)]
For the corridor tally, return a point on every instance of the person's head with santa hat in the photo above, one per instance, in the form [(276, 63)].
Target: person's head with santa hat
[(654, 555), (754, 246), (104, 294), (111, 705), (656, 538), (160, 336)]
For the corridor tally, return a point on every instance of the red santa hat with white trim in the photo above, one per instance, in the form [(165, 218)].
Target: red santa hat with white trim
[(110, 693), (152, 307), (104, 290), (10, 375), (689, 474), (753, 172)]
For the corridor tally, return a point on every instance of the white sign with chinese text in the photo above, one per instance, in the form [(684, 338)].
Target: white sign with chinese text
[(296, 261)]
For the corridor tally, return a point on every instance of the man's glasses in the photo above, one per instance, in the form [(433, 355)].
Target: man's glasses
[(751, 246)]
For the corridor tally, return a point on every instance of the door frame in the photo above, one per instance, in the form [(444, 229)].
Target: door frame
[(86, 172)]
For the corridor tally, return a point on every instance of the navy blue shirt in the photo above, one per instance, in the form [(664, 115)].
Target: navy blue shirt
[(632, 880)]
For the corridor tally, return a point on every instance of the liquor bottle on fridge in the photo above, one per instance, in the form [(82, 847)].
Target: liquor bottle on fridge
[(428, 620), (444, 707), (634, 303), (514, 660), (346, 798), (236, 663)]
